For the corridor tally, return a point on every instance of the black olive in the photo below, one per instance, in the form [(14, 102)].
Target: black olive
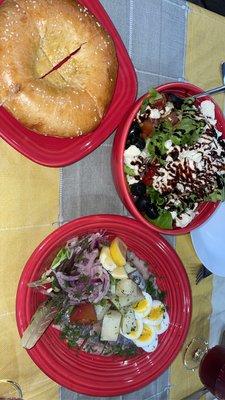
[(128, 144), (157, 151), (141, 203), (220, 182), (221, 142), (132, 139), (151, 210), (135, 129), (177, 101), (138, 189), (174, 154), (140, 143)]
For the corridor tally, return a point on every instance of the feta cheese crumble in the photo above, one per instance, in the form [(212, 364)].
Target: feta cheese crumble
[(130, 155), (207, 108)]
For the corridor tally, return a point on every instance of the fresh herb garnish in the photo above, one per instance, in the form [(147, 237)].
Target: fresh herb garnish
[(72, 334), (124, 350), (59, 317), (83, 278), (156, 293), (103, 302)]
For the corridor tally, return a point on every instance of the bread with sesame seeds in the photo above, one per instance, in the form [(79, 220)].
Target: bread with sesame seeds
[(36, 36)]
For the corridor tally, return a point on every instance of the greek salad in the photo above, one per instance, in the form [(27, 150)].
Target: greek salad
[(174, 159), (101, 297)]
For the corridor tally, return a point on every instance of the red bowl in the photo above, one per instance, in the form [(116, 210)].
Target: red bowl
[(99, 375), (205, 209), (58, 152)]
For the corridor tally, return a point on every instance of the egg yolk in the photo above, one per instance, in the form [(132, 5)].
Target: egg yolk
[(146, 335), (141, 305), (156, 313), (132, 335)]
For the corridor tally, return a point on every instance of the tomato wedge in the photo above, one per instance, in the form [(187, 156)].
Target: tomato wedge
[(83, 314)]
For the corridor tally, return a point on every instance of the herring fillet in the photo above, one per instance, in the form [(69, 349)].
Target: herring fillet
[(42, 318)]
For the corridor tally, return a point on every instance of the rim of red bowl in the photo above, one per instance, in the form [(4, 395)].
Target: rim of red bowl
[(41, 254), (206, 209)]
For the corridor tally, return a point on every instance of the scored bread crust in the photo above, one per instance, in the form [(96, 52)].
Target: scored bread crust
[(35, 36)]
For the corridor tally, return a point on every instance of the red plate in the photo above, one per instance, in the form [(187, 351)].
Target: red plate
[(58, 152), (98, 375), (117, 160)]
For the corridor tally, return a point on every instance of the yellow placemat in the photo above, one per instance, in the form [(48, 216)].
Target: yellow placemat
[(28, 212), (205, 51), (184, 382)]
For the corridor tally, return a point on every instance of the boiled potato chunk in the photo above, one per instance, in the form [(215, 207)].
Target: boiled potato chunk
[(111, 326), (126, 287)]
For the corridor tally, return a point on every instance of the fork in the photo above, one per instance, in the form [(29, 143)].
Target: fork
[(202, 273), (223, 72)]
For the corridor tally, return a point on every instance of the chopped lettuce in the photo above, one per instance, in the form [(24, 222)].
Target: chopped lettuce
[(217, 195), (164, 221), (129, 171), (62, 255), (187, 131), (191, 130), (155, 196), (153, 97), (156, 145), (186, 124)]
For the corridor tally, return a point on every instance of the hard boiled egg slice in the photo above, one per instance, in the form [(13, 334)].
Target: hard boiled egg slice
[(106, 259), (161, 328), (142, 308), (152, 346), (147, 337), (135, 332), (155, 316)]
